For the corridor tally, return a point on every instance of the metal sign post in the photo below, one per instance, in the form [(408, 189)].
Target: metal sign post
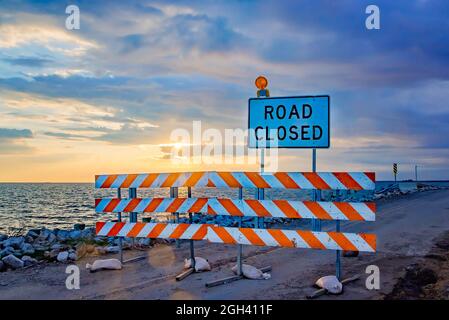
[(338, 262), (316, 223), (261, 84), (261, 191), (175, 215), (395, 170)]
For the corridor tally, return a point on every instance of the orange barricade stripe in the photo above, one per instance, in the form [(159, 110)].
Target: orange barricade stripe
[(129, 179), (136, 229), (230, 207), (347, 180), (280, 237), (286, 181), (342, 241), (348, 211), (311, 240), (316, 180), (317, 210), (258, 208), (252, 236)]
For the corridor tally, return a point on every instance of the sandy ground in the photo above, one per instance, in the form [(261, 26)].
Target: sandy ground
[(407, 229)]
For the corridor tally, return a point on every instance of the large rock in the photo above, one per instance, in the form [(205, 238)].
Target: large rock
[(27, 249), (51, 238), (44, 234), (15, 242), (13, 262), (62, 235), (75, 234), (41, 247), (36, 231), (28, 261), (32, 234), (57, 246), (88, 233), (62, 256), (7, 251), (72, 256), (100, 239)]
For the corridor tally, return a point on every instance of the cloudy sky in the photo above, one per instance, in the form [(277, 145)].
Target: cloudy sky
[(105, 98)]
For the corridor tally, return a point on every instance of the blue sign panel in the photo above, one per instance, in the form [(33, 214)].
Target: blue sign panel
[(289, 122)]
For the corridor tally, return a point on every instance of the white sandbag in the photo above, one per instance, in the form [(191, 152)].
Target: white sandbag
[(330, 283), (251, 272), (109, 264), (201, 264)]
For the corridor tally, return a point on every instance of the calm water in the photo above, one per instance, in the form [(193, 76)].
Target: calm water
[(60, 205)]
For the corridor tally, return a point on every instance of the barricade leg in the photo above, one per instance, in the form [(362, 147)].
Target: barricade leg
[(119, 218), (261, 192), (192, 246), (175, 215), (191, 270), (338, 262), (338, 253), (240, 247), (316, 196), (132, 215)]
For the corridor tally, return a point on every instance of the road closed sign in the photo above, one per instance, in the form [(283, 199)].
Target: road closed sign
[(289, 122)]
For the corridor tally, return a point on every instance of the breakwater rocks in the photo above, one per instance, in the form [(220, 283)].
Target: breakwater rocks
[(44, 245)]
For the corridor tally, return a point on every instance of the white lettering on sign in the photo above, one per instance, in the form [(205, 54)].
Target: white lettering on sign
[(289, 122)]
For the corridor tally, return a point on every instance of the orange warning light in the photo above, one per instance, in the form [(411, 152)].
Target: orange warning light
[(261, 82)]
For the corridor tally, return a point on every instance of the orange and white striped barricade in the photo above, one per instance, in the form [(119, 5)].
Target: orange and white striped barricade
[(289, 209), (149, 180)]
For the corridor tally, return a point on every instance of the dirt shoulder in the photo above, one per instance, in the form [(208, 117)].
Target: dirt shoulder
[(427, 278)]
